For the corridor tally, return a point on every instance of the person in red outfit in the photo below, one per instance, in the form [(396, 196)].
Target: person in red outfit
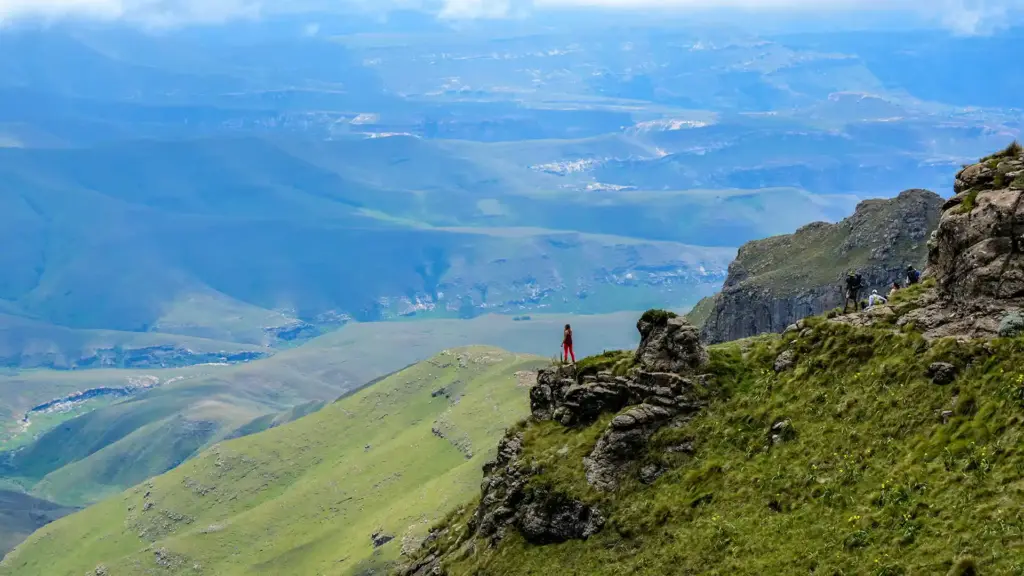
[(567, 345)]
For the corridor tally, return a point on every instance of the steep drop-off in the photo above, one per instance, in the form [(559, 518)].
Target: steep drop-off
[(884, 442), (776, 281)]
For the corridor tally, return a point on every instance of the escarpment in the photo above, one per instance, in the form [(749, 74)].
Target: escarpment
[(776, 281), (663, 385)]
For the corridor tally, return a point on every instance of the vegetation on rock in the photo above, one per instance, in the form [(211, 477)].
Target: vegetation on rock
[(882, 468)]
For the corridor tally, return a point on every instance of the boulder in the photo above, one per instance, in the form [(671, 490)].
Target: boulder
[(621, 443), (541, 515), (669, 344), (942, 373), (976, 253), (784, 361)]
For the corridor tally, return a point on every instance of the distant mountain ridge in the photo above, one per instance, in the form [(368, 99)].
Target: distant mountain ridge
[(776, 281)]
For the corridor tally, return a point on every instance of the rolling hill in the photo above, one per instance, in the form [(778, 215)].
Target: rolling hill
[(341, 491), (75, 449)]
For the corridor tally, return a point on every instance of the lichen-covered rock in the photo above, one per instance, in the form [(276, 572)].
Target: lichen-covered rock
[(669, 345), (1011, 325), (942, 373), (977, 253), (620, 444), (541, 515), (784, 361)]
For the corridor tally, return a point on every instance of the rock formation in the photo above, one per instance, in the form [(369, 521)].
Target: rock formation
[(776, 281), (975, 253), (664, 384)]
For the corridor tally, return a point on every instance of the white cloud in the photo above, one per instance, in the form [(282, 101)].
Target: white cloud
[(966, 16), (149, 12)]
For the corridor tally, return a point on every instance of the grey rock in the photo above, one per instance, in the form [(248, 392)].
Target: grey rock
[(670, 346), (893, 232), (946, 415), (621, 443), (379, 538), (782, 431), (650, 473), (942, 373), (784, 361), (975, 255), (548, 518), (1011, 325), (542, 516)]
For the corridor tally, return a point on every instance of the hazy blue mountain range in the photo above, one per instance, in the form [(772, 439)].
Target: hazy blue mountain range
[(229, 225)]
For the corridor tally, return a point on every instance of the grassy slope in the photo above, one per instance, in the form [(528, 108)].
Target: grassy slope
[(305, 497), (21, 515), (814, 256), (82, 456), (873, 483)]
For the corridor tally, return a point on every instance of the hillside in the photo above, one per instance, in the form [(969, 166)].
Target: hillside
[(341, 491), (776, 281), (78, 436), (21, 515), (883, 442)]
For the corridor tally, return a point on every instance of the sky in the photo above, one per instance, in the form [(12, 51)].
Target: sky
[(963, 16)]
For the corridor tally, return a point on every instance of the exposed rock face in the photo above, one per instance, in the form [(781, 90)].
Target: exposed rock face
[(669, 345), (664, 385), (976, 251), (974, 256), (776, 281), (540, 515)]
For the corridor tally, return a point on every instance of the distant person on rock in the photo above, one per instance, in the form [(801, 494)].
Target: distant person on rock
[(875, 299), (567, 345), (895, 288), (913, 276), (854, 283)]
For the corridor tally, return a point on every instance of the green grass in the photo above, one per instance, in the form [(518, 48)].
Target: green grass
[(700, 313), (815, 255), (20, 515), (970, 200), (305, 497), (103, 446), (873, 482), (1013, 150)]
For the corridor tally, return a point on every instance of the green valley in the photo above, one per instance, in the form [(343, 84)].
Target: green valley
[(341, 491), (78, 452)]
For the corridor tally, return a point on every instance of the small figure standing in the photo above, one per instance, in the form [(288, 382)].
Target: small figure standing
[(913, 276), (895, 288), (854, 282), (567, 351)]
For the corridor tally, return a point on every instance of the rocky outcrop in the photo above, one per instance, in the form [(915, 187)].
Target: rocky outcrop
[(974, 257), (542, 516), (664, 385), (669, 344), (976, 251), (776, 281)]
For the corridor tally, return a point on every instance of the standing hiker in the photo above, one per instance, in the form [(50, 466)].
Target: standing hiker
[(854, 283), (913, 276), (567, 345)]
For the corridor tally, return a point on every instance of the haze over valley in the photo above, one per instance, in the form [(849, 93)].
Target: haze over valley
[(213, 224)]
